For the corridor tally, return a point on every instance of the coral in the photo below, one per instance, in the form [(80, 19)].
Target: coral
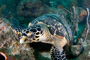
[(9, 44), (17, 50), (86, 54), (4, 29)]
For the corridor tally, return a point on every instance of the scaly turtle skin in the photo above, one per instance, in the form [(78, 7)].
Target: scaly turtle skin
[(49, 28)]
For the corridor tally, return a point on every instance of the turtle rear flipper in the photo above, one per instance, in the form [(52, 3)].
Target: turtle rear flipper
[(15, 26)]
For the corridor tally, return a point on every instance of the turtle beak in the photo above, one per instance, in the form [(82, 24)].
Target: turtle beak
[(22, 40)]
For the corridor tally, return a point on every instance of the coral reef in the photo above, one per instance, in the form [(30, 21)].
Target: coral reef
[(9, 44)]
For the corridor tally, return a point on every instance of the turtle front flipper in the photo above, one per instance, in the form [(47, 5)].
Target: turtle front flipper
[(15, 26), (57, 53)]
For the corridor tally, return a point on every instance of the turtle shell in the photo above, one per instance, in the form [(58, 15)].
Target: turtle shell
[(56, 24)]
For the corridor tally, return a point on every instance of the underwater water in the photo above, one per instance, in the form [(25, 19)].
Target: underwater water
[(16, 15)]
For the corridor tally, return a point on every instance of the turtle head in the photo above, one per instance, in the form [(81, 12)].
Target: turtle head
[(35, 33)]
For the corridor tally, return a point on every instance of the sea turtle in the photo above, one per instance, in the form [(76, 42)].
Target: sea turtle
[(49, 28)]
